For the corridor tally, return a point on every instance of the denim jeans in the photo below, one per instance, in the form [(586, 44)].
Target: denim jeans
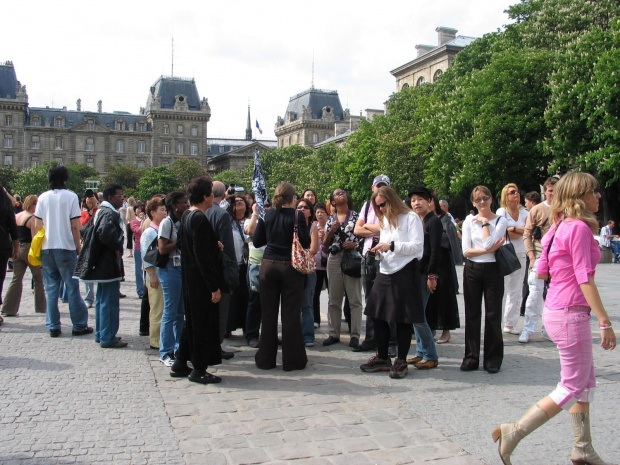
[(425, 344), (173, 317), (107, 310), (139, 273), (58, 266), (307, 310), (90, 292), (253, 316)]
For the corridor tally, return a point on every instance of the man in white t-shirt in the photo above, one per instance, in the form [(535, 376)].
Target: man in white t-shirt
[(58, 211)]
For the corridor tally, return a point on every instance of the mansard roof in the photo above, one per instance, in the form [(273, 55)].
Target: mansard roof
[(316, 99), (167, 88), (8, 81), (73, 117)]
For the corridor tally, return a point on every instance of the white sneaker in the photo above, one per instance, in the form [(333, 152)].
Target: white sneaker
[(168, 360), (545, 334), (512, 330), (524, 337), (309, 344)]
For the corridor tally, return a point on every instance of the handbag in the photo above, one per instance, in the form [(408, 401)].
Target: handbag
[(153, 256), (36, 246), (301, 259), (506, 257), (351, 263)]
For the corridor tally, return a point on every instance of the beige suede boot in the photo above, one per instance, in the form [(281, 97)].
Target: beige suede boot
[(583, 452), (509, 434)]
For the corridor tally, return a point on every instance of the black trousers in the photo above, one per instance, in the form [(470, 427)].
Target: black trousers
[(483, 280), (281, 284), (402, 334), (321, 277), (145, 309)]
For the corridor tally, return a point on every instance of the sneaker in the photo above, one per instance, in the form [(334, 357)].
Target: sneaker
[(168, 360), (512, 330), (545, 334), (376, 364), (309, 344), (253, 343), (316, 325), (524, 337), (354, 342), (399, 369)]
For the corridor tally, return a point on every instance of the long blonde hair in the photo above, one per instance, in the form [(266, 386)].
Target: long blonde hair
[(395, 205), (568, 202)]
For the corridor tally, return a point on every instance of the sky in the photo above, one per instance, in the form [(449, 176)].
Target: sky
[(239, 52)]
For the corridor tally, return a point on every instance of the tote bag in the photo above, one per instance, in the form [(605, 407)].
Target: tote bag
[(301, 258), (506, 257), (34, 254)]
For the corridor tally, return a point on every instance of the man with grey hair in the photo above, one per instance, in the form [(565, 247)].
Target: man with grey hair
[(220, 221), (443, 204)]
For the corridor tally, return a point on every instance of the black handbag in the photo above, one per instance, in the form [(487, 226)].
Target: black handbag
[(351, 263), (506, 257), (153, 256)]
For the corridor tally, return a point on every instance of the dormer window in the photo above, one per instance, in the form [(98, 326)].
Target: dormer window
[(36, 121), (141, 126), (90, 125), (119, 125), (59, 122)]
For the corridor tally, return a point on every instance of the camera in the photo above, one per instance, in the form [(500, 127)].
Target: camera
[(334, 249)]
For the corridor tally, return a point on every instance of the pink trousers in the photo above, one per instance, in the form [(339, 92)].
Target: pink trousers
[(570, 329)]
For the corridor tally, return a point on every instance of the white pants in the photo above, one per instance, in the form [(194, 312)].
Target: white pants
[(534, 303), (513, 290)]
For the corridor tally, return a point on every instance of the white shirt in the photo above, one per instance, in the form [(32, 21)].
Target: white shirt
[(517, 243), (472, 237), (408, 239), (371, 219), (56, 208), (168, 230)]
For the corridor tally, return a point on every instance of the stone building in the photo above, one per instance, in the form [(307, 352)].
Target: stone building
[(312, 116), (432, 60), (173, 124)]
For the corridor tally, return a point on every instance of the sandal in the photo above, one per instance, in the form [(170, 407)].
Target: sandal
[(204, 378)]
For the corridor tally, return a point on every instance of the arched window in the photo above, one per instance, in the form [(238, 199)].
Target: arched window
[(437, 74), (420, 81), (405, 86)]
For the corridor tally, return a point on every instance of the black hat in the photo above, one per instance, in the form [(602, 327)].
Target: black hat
[(421, 191)]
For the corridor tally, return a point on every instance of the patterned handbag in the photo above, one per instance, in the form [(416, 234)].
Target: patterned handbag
[(301, 258)]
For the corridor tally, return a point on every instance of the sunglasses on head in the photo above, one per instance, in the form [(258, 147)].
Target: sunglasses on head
[(482, 199)]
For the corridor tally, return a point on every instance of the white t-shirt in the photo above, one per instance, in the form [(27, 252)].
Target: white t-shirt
[(56, 208), (517, 243), (168, 231)]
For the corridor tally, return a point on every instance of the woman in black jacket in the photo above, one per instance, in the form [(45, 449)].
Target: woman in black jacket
[(9, 244), (279, 281)]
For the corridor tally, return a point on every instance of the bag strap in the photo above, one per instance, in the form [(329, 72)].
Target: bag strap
[(296, 221), (507, 237), (548, 280), (366, 210)]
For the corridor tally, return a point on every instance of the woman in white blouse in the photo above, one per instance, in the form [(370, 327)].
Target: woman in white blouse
[(483, 234), (396, 296), (515, 215)]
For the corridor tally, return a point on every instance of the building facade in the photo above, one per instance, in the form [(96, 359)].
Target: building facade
[(432, 60), (313, 116), (172, 125)]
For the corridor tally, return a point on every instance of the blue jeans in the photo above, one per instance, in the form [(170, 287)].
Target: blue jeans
[(307, 309), (90, 292), (173, 318), (253, 315), (425, 347), (138, 271), (107, 310), (58, 266)]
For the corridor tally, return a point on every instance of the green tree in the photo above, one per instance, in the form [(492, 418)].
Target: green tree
[(126, 175), (185, 170), (8, 175), (31, 181), (78, 173), (157, 180)]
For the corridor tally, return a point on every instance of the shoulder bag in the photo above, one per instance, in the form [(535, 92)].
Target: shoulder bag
[(506, 257), (301, 259), (36, 246), (351, 263), (153, 256)]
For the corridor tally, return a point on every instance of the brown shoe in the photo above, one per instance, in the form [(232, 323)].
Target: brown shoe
[(426, 364), (116, 345), (414, 360)]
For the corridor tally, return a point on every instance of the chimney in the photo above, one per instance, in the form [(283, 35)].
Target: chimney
[(424, 49), (79, 104), (445, 34), (99, 104)]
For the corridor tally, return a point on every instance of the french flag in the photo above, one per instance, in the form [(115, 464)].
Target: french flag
[(258, 127)]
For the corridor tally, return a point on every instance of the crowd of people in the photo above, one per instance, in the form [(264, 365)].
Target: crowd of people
[(208, 264)]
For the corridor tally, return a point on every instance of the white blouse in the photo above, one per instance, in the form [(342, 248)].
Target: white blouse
[(408, 239), (520, 223), (472, 237)]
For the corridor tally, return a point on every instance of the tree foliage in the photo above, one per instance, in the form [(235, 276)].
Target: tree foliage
[(126, 175), (185, 170), (157, 180)]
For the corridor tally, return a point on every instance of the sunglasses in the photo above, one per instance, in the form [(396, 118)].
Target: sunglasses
[(513, 192), (596, 190), (381, 205), (482, 199), (303, 207)]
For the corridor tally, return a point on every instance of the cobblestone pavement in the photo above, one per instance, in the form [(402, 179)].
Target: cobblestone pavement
[(81, 403)]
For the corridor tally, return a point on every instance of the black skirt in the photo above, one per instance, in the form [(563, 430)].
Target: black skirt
[(397, 297)]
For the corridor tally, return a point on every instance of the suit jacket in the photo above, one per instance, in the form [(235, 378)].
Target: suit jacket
[(220, 220)]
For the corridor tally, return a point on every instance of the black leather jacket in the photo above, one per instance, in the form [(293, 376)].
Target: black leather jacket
[(98, 261)]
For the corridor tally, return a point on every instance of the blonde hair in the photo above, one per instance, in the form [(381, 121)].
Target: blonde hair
[(283, 194), (503, 202), (395, 205), (568, 202), (29, 201)]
